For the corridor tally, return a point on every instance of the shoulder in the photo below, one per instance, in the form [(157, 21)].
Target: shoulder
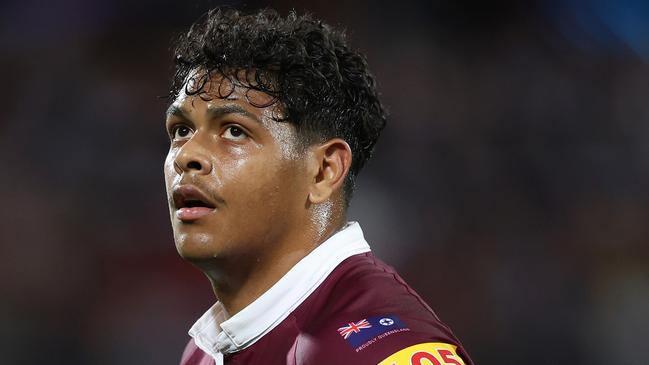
[(384, 339), (368, 314), (363, 285)]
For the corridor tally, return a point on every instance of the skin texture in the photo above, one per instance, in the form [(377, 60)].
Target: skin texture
[(274, 201)]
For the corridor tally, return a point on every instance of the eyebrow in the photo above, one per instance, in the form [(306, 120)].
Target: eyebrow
[(213, 112)]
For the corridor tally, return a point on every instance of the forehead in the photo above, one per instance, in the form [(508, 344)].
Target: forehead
[(202, 94), (240, 87)]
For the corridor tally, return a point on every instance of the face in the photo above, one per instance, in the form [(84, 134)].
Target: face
[(236, 184)]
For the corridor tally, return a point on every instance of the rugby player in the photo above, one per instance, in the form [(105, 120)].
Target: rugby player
[(271, 119)]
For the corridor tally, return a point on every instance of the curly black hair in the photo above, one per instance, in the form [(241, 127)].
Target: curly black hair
[(324, 88)]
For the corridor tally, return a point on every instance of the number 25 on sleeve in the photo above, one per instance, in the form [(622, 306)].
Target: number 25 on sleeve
[(430, 353)]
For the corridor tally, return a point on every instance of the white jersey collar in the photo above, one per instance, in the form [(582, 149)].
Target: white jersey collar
[(215, 333)]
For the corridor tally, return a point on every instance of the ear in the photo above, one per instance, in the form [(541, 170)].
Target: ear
[(329, 166)]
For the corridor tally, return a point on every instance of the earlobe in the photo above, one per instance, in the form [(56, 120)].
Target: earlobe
[(331, 163)]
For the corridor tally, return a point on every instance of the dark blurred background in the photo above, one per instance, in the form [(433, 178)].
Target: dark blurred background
[(509, 188)]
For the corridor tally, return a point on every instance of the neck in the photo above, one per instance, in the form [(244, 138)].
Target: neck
[(239, 281)]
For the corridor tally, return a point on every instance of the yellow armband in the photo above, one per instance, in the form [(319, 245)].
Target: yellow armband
[(430, 353)]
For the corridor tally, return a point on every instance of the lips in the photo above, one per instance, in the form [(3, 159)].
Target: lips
[(191, 203)]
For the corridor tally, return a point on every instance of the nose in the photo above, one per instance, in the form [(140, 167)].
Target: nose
[(192, 158)]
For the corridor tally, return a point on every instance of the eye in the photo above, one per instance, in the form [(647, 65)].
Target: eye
[(234, 133), (181, 132)]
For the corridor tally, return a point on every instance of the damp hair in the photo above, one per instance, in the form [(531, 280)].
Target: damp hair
[(321, 85)]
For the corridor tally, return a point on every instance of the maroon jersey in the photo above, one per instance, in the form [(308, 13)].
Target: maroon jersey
[(338, 305)]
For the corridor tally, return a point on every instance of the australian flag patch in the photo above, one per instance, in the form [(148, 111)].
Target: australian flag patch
[(367, 329)]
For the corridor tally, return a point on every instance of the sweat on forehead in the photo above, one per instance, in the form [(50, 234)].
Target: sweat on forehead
[(220, 95), (258, 87)]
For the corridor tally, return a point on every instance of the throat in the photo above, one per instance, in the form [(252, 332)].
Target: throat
[(239, 283)]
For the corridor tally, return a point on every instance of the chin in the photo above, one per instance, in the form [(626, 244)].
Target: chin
[(196, 246)]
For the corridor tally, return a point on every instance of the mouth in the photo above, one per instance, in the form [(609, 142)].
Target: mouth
[(191, 203)]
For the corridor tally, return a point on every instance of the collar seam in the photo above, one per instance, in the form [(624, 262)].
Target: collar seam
[(339, 258), (280, 301)]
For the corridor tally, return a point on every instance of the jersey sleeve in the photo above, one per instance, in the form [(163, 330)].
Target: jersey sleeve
[(383, 340), (436, 353)]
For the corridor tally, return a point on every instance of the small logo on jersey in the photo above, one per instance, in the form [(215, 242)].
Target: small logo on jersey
[(353, 327), (371, 329)]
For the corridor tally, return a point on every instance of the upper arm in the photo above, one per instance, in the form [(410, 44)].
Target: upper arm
[(383, 346), (436, 353)]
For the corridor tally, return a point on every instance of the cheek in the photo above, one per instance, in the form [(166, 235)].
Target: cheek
[(236, 162), (274, 186), (261, 179), (168, 168)]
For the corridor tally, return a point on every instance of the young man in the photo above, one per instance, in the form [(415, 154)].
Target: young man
[(272, 118)]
